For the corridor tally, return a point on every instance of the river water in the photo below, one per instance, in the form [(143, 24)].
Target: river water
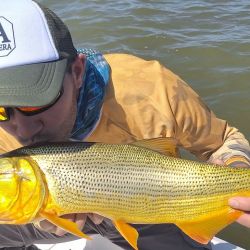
[(207, 43)]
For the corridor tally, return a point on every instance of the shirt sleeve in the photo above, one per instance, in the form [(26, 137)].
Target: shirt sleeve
[(201, 132), (235, 149)]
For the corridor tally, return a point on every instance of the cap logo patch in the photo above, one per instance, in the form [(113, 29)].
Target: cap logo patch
[(7, 38)]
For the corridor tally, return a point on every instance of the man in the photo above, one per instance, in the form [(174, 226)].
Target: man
[(49, 92)]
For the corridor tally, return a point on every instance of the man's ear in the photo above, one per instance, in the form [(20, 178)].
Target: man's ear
[(78, 69)]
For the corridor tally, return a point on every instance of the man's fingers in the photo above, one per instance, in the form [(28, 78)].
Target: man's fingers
[(244, 220), (216, 161), (80, 220), (45, 226), (240, 203), (96, 218), (59, 231), (243, 204)]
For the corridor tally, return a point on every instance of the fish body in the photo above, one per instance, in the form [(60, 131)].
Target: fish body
[(128, 183)]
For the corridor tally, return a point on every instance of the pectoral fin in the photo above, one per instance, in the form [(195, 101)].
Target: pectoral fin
[(65, 224), (207, 227), (128, 232)]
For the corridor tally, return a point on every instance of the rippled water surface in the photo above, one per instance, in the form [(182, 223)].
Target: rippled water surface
[(207, 43)]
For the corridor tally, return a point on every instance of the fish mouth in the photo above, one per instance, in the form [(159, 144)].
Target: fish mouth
[(22, 190)]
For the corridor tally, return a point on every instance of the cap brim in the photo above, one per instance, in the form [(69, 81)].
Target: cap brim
[(31, 85)]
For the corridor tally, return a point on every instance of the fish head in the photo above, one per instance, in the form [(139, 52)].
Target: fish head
[(22, 190)]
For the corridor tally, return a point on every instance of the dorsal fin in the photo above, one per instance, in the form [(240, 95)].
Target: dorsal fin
[(167, 146)]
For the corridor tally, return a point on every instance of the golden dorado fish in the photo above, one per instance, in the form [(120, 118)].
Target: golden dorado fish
[(128, 183)]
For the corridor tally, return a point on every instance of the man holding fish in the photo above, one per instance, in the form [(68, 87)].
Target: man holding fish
[(51, 92)]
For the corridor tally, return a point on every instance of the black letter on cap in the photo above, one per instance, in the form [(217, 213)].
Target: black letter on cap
[(3, 34)]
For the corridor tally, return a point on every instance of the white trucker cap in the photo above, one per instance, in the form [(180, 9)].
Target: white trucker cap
[(35, 46)]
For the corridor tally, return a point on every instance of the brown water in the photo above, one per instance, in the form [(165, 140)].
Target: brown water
[(207, 43)]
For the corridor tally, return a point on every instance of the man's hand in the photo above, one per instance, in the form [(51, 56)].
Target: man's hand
[(216, 161), (243, 204), (79, 219)]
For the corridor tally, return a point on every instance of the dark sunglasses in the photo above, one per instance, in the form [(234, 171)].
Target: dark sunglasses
[(27, 111)]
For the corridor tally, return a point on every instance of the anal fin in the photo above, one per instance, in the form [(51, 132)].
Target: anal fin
[(65, 224), (128, 232), (204, 229)]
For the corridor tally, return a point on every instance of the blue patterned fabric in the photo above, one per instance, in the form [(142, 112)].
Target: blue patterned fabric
[(92, 92)]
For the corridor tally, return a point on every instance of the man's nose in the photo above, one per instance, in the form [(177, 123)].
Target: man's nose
[(26, 127)]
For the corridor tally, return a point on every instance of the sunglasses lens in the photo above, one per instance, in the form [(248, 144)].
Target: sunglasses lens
[(3, 114), (30, 109), (37, 110)]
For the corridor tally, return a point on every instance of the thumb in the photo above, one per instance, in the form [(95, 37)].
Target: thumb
[(240, 203)]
